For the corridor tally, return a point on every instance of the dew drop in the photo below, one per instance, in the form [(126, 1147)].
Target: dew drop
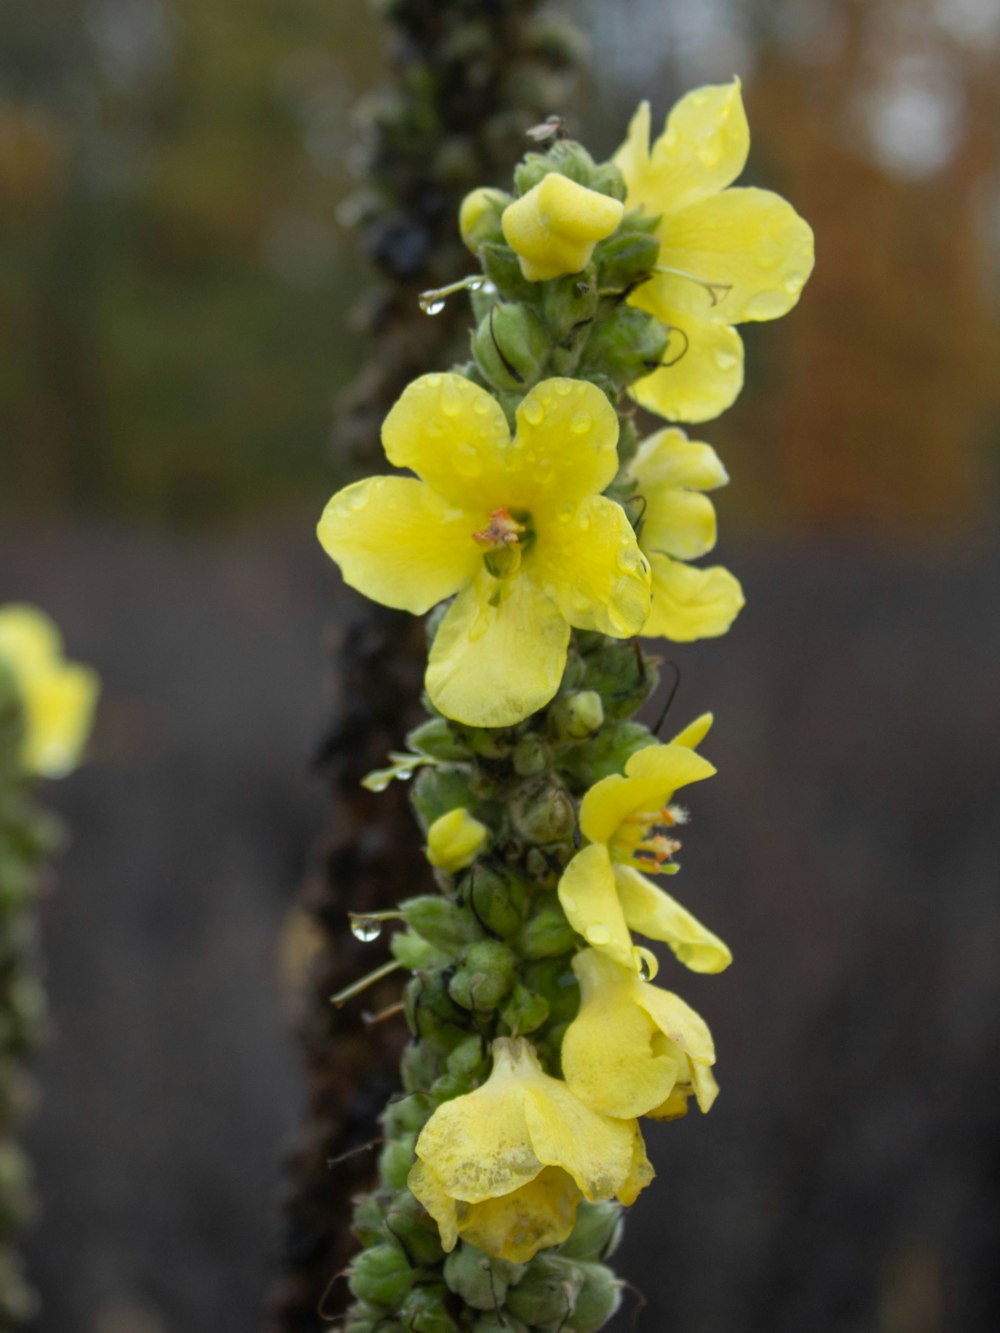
[(431, 307), (475, 284), (565, 387), (533, 412), (795, 282), (724, 360), (768, 252), (355, 501), (645, 971), (766, 305), (581, 423), (598, 935), (365, 928), (628, 559), (451, 399), (466, 461), (566, 512)]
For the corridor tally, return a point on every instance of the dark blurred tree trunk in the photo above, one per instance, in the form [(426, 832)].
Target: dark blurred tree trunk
[(469, 77)]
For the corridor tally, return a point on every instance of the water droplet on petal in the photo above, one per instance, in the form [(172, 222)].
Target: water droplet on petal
[(581, 423), (466, 461), (795, 282), (724, 360), (451, 398), (767, 305), (768, 252), (645, 971), (598, 935), (365, 928), (533, 412), (566, 512)]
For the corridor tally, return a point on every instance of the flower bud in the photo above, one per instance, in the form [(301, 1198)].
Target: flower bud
[(414, 952), (570, 302), (454, 840), (497, 900), (597, 1300), (625, 347), (480, 1282), (607, 753), (511, 346), (623, 678), (408, 1223), (546, 1295), (437, 738), (574, 717), (395, 1162), (532, 755), (596, 1232), (484, 977), (501, 266), (442, 923), (525, 1011), (479, 217), (438, 789), (626, 259), (541, 811), (568, 158), (547, 935), (405, 1115), (424, 1311), (367, 1220), (381, 1275), (553, 978), (499, 1323), (468, 1059), (431, 1012), (554, 227), (419, 1066)]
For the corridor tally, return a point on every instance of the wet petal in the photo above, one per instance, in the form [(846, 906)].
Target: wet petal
[(706, 371), (677, 522), (678, 1022), (650, 911), (590, 900), (652, 775), (425, 1185), (399, 542), (695, 732), (595, 1149), (566, 445), (590, 562), (492, 666), (516, 1226), (691, 603)]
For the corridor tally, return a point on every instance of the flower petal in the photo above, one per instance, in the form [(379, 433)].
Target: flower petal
[(750, 241), (566, 444), (641, 1172), (478, 1145), (652, 775), (590, 900), (677, 1021), (650, 911), (590, 563), (706, 371), (677, 522), (702, 149), (492, 666), (691, 603), (454, 435), (399, 542), (517, 1225), (669, 458), (426, 1186), (695, 732), (595, 1149)]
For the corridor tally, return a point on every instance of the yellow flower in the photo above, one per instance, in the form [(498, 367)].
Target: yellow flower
[(58, 697), (726, 255), (678, 524), (630, 825), (634, 1049), (554, 227), (505, 1167), (455, 840), (516, 527)]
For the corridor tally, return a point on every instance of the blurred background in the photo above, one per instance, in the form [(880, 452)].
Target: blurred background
[(175, 282)]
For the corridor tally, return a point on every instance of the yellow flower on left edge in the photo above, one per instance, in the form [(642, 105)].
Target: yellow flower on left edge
[(58, 697), (506, 1166), (517, 528)]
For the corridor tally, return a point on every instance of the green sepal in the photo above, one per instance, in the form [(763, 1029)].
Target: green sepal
[(484, 976), (367, 1219), (606, 754), (501, 266), (443, 924), (575, 716), (532, 755), (626, 346), (626, 259), (569, 303), (381, 1275), (541, 810), (511, 346), (599, 1297), (437, 790), (496, 898), (414, 952), (547, 935), (546, 1295), (596, 1232), (424, 1311), (395, 1161), (525, 1011), (436, 737), (409, 1225), (481, 1282)]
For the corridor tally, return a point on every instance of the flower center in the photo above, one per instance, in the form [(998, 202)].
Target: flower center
[(503, 541), (642, 840)]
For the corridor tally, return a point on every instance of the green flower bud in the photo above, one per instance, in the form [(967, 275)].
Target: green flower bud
[(625, 347), (496, 899), (501, 266), (568, 158), (437, 790), (547, 1293), (414, 1230), (424, 1311), (553, 978), (607, 753), (597, 1300), (547, 935), (431, 1012), (469, 1058), (532, 755), (541, 811), (395, 1161), (450, 1085), (574, 717), (480, 1282), (437, 738), (406, 1115), (525, 1011), (367, 1220), (368, 1319), (624, 678), (494, 1323), (479, 217), (484, 977), (441, 923), (626, 259), (570, 303), (419, 1066), (414, 952), (381, 1275), (511, 346), (596, 1232)]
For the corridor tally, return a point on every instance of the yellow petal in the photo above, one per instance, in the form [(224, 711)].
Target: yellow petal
[(652, 775), (566, 446), (597, 574), (706, 371), (669, 459), (641, 1173), (454, 840), (425, 1185), (590, 900), (695, 732), (554, 227), (595, 1149), (399, 542), (702, 149), (678, 523), (492, 666), (677, 1021), (650, 911), (752, 242), (691, 603), (29, 639), (674, 1107), (706, 1090), (516, 1226), (607, 1055), (454, 435)]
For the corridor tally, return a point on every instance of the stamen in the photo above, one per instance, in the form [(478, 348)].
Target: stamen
[(503, 530)]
